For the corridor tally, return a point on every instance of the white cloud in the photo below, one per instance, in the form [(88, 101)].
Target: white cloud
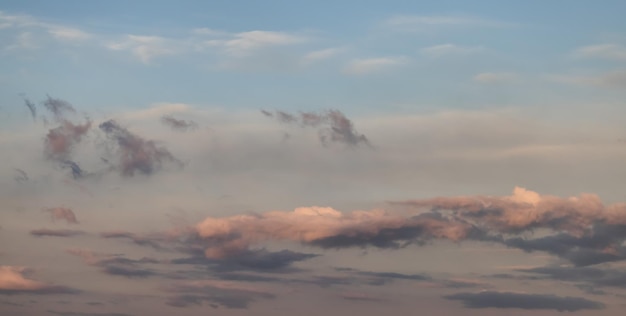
[(449, 49), (614, 79), (245, 42), (57, 31), (369, 65), (602, 51), (321, 54), (496, 77), (67, 33), (144, 47), (208, 32)]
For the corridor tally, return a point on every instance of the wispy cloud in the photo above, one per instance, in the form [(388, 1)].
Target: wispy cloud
[(450, 49), (602, 51), (364, 66), (145, 47), (493, 299), (244, 43), (496, 77), (614, 79), (321, 54)]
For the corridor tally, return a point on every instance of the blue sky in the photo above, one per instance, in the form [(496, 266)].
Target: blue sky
[(355, 157), (531, 40)]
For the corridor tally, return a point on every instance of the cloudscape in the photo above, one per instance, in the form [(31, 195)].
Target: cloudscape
[(281, 158)]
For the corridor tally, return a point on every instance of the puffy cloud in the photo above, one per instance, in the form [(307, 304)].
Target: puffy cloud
[(59, 213), (492, 299), (13, 281), (524, 210), (323, 227)]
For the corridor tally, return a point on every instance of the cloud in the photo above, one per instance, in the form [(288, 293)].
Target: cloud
[(585, 231), (591, 276), (58, 107), (450, 49), (492, 299), (150, 241), (116, 264), (244, 43), (67, 313), (13, 281), (20, 175), (495, 77), (68, 34), (62, 213), (322, 54), (336, 127), (614, 79), (364, 66), (525, 209), (56, 233), (260, 260), (145, 48), (179, 124), (31, 107), (602, 51), (221, 293), (361, 297), (136, 154), (323, 227), (61, 140)]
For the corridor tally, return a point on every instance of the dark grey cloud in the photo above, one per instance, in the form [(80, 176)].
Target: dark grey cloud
[(20, 175), (31, 107), (492, 299), (361, 297), (382, 278), (603, 243), (135, 154), (117, 264), (216, 294), (179, 124), (44, 290), (252, 260), (77, 172), (56, 232), (68, 313), (601, 277), (333, 126), (150, 241), (59, 108)]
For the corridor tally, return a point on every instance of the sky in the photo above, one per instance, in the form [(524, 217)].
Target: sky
[(291, 157)]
